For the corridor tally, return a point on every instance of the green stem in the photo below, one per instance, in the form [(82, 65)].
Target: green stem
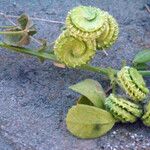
[(101, 70), (105, 71), (11, 32), (52, 57), (6, 27), (145, 73), (29, 51)]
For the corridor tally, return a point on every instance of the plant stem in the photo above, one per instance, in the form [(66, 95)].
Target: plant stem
[(52, 57), (29, 51), (147, 7), (105, 71), (145, 73), (11, 32), (6, 27), (101, 70)]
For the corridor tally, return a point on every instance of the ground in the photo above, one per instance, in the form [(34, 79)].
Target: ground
[(34, 97)]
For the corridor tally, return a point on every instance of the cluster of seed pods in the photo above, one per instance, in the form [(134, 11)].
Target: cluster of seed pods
[(87, 29), (123, 109), (95, 114)]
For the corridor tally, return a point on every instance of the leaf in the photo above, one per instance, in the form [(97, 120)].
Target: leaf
[(26, 24), (43, 46), (24, 21), (92, 90), (32, 30), (142, 57), (20, 35), (84, 100), (86, 121), (16, 39), (141, 66)]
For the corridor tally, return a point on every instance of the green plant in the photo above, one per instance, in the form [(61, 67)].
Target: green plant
[(88, 29), (73, 51), (86, 22), (146, 116), (122, 109), (132, 82)]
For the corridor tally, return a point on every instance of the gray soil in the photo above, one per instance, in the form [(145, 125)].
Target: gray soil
[(34, 97)]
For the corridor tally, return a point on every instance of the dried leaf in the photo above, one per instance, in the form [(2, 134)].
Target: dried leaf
[(24, 21), (32, 30), (26, 24), (59, 65), (92, 90), (142, 57), (25, 40), (86, 121), (43, 46), (20, 35), (14, 39)]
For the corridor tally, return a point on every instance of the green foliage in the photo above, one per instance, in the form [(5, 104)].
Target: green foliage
[(142, 57), (94, 115), (146, 116), (142, 66), (92, 90), (84, 100), (86, 121)]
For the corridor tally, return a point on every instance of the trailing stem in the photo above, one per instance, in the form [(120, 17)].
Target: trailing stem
[(52, 57)]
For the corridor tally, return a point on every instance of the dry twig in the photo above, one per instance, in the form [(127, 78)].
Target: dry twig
[(147, 8)]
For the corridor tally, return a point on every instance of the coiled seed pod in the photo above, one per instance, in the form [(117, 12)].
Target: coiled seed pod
[(109, 35), (73, 51), (146, 116), (122, 109), (132, 83), (86, 22)]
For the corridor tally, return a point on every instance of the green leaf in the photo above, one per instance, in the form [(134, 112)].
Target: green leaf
[(141, 66), (142, 57), (84, 100), (86, 121), (92, 90)]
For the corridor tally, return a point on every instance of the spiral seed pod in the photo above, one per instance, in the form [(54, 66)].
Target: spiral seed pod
[(132, 83), (73, 51), (86, 22), (109, 35), (146, 116), (122, 109)]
